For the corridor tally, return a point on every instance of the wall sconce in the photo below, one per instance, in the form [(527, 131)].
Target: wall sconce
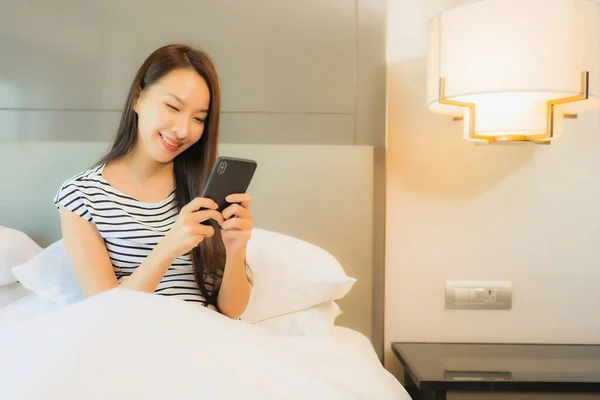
[(511, 70)]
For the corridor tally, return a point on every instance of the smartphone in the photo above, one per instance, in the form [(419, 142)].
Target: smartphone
[(229, 175)]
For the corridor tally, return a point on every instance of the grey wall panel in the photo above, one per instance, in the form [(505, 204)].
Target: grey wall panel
[(286, 56), (334, 129), (370, 130), (379, 190), (272, 128), (44, 125), (273, 56), (370, 73)]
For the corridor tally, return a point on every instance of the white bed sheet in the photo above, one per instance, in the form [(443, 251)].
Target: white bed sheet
[(24, 306), (11, 293), (353, 341), (91, 343)]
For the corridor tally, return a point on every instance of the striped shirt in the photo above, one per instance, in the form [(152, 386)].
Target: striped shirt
[(130, 229)]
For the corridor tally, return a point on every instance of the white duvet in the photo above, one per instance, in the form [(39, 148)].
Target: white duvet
[(130, 345)]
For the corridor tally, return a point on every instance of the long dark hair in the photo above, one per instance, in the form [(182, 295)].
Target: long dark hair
[(192, 167)]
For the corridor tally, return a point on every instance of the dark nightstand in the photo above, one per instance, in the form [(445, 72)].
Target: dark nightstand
[(431, 369)]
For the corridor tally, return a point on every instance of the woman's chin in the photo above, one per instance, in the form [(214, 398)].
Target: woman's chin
[(163, 155)]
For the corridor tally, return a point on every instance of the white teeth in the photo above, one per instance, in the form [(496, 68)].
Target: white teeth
[(168, 141)]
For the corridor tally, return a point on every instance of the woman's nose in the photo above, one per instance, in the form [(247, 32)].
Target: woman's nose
[(181, 130)]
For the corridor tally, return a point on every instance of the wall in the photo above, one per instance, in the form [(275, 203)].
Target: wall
[(522, 213)]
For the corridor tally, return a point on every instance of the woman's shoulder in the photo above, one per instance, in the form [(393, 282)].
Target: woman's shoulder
[(75, 193), (87, 177)]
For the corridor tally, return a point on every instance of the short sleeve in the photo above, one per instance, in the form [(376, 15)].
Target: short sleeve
[(71, 198)]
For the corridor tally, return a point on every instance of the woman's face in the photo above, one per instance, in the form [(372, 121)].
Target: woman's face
[(171, 114)]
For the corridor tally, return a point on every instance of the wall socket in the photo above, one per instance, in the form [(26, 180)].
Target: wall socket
[(479, 295)]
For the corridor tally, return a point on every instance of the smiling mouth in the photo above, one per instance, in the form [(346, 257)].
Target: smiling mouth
[(170, 142)]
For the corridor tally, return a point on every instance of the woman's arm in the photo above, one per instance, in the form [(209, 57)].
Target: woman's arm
[(91, 263), (235, 289), (87, 253)]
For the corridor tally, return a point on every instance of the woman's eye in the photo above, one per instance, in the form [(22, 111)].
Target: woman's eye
[(199, 120), (172, 107)]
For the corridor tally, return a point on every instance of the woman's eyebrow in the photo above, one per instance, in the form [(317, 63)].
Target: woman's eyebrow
[(179, 99)]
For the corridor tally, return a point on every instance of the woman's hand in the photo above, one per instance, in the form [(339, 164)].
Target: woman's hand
[(188, 231), (238, 224)]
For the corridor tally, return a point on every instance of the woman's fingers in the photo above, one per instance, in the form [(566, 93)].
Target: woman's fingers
[(200, 216), (204, 230), (237, 234), (244, 199), (198, 203), (235, 217), (237, 210), (237, 224)]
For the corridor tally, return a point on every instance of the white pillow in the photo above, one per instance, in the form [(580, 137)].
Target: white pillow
[(290, 275), (15, 249), (49, 274), (314, 322)]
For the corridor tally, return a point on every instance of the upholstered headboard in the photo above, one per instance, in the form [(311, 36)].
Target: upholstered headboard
[(321, 194)]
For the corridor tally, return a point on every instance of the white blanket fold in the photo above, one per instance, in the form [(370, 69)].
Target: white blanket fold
[(129, 345)]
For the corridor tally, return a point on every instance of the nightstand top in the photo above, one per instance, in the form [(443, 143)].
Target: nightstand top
[(465, 365)]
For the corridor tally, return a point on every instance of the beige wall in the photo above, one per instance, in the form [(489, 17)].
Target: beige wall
[(522, 213)]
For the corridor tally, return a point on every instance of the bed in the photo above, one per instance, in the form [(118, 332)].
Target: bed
[(81, 351), (308, 336), (125, 344)]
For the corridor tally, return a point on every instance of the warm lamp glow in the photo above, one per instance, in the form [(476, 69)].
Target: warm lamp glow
[(513, 68)]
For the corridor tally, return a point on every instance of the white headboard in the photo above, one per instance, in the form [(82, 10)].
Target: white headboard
[(321, 193)]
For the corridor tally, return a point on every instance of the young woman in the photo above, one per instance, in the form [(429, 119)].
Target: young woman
[(134, 219)]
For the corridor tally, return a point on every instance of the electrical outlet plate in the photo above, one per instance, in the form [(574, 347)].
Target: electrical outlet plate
[(479, 295)]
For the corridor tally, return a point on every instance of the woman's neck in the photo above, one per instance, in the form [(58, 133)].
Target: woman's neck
[(144, 168)]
